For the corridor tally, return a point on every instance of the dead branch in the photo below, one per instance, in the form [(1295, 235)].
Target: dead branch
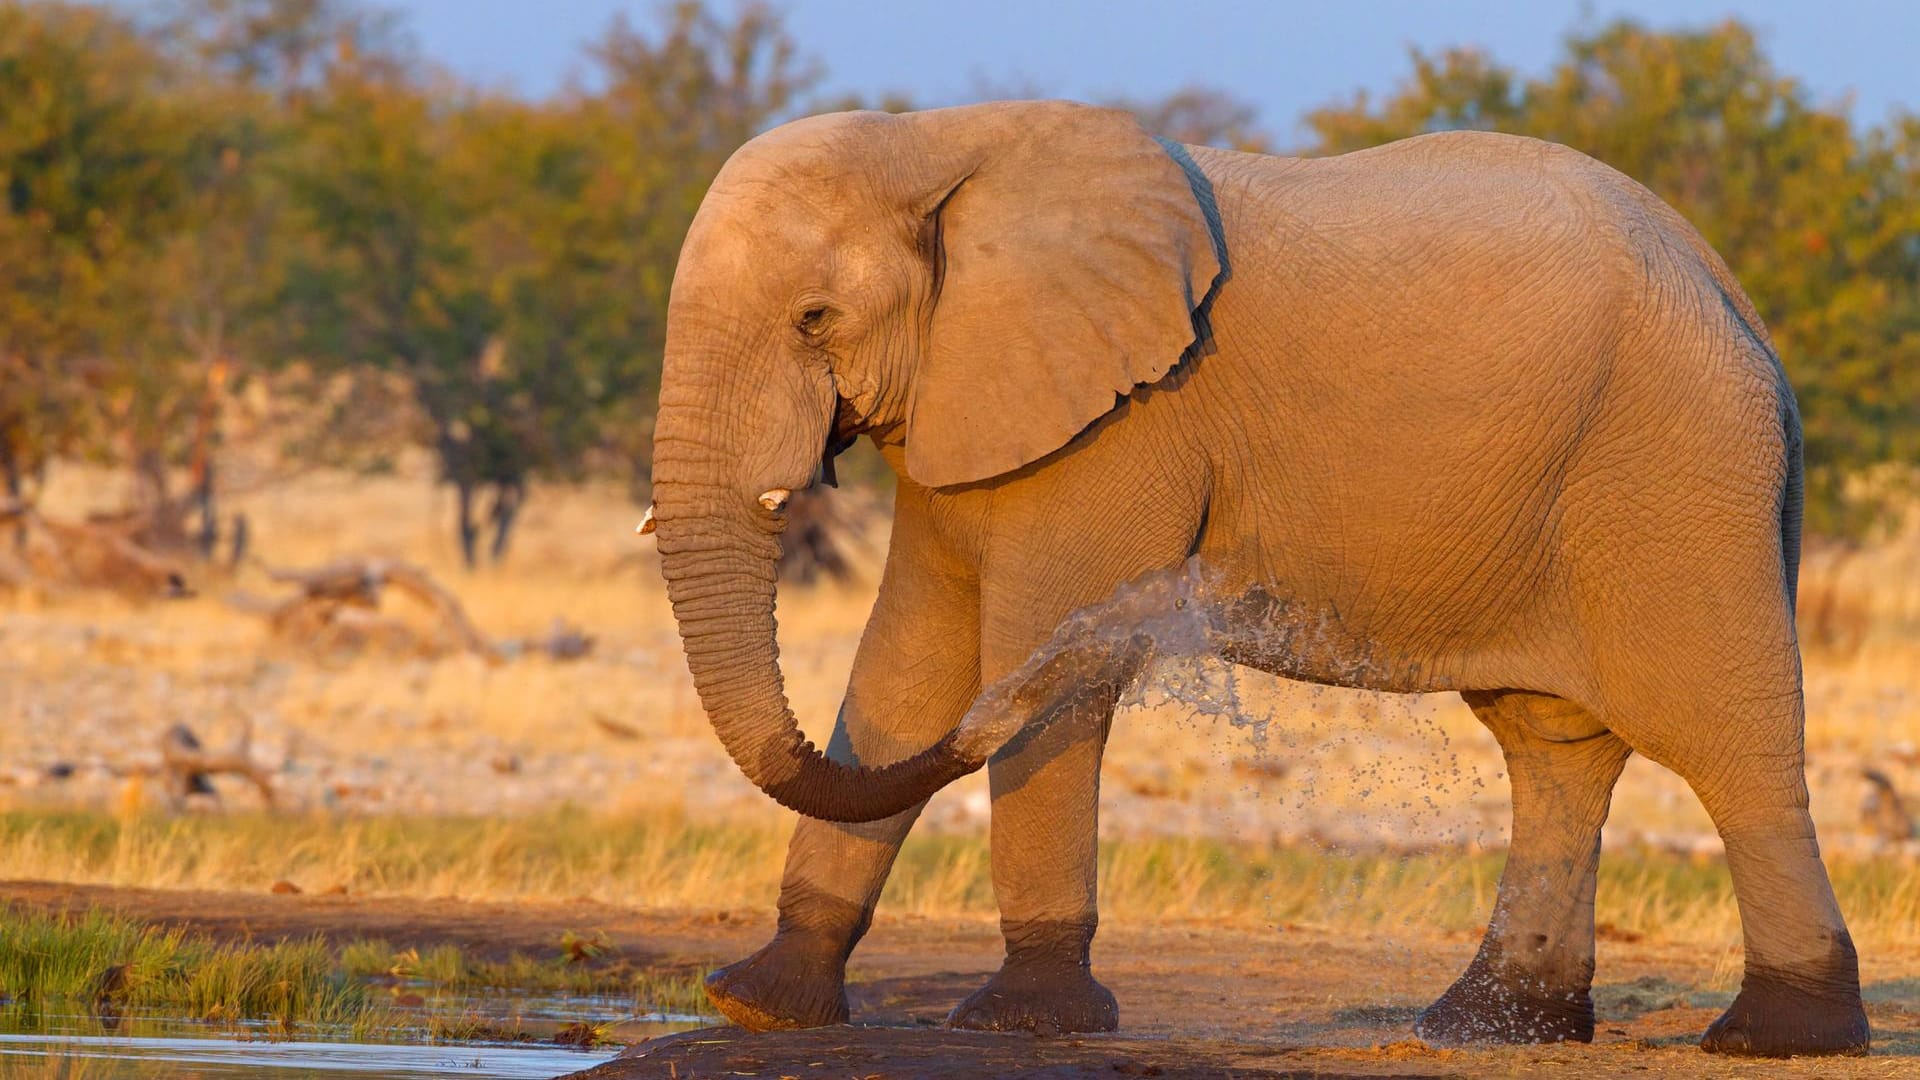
[(1883, 812), (415, 582), (186, 767), (618, 729), (339, 605), (825, 530)]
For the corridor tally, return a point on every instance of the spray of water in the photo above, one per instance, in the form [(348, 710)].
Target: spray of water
[(1189, 627), (1175, 641), (1172, 619)]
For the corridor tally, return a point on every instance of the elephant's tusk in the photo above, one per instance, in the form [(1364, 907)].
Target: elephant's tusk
[(775, 499), (646, 523)]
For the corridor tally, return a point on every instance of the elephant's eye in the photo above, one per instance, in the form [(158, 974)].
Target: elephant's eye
[(813, 321)]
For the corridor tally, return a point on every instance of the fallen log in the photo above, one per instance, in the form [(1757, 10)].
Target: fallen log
[(84, 555)]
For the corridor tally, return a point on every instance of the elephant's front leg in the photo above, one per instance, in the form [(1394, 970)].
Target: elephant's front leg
[(1529, 982), (1046, 796), (915, 673), (833, 877)]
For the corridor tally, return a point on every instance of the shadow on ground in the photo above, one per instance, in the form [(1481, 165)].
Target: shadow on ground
[(942, 1053)]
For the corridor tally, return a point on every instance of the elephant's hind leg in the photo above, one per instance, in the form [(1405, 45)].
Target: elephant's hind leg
[(1529, 982), (1801, 990), (1711, 689)]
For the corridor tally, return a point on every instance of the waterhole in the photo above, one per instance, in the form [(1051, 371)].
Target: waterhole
[(495, 1034)]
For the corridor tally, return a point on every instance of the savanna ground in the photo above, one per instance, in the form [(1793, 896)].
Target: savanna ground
[(1279, 893)]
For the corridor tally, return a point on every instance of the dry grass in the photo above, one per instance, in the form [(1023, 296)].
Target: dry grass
[(664, 861), (440, 778)]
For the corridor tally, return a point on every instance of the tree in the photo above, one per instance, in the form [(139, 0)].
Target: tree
[(512, 259), (237, 189), (383, 278), (279, 46), (1816, 219), (92, 184), (674, 107)]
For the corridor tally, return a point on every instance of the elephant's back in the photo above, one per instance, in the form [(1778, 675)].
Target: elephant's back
[(1477, 207), (1456, 268), (1460, 254)]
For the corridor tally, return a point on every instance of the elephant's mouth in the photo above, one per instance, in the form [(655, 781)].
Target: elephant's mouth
[(847, 427)]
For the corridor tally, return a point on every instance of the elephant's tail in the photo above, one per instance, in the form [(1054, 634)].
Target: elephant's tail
[(1792, 496)]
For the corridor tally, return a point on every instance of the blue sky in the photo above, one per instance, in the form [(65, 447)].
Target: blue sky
[(1285, 57)]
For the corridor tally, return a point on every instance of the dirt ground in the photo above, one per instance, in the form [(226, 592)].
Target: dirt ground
[(1196, 999)]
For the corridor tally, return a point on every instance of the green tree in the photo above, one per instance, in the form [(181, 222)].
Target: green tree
[(1816, 219), (512, 259), (382, 277), (279, 46), (93, 164), (673, 106)]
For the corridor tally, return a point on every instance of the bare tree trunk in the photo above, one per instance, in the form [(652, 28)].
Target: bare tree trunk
[(469, 530), (151, 490), (206, 429), (207, 537), (456, 468), (15, 489), (241, 535), (507, 500)]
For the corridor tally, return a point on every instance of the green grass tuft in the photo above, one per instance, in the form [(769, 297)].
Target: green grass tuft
[(100, 961)]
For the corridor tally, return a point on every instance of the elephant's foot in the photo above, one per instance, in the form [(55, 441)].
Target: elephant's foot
[(790, 983), (1487, 1005), (1048, 997), (1781, 1017)]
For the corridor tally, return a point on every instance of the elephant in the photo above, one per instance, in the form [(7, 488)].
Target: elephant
[(1484, 414)]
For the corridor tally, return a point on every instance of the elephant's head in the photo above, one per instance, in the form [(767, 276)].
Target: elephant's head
[(976, 284)]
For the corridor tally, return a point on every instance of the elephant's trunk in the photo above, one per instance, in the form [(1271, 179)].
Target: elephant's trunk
[(720, 562)]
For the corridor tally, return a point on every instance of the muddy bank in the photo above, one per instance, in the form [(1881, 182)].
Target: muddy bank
[(1208, 998), (873, 1053), (938, 1054)]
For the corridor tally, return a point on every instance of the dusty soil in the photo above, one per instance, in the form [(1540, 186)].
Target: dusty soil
[(1196, 999)]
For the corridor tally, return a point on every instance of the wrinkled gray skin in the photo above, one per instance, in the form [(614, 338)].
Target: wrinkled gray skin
[(1483, 411)]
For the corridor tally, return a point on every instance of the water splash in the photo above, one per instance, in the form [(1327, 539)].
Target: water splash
[(1179, 636), (1170, 618), (1180, 642)]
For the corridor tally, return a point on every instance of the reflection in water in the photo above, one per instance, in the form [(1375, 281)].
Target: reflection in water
[(83, 1047), (84, 1056)]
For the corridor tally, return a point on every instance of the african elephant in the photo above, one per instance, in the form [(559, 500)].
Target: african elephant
[(1485, 413)]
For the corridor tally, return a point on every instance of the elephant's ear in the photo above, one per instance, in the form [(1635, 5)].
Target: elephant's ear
[(1069, 255)]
